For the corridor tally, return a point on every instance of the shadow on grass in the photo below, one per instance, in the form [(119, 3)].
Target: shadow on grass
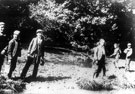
[(112, 77), (41, 79), (122, 67), (131, 70), (57, 50)]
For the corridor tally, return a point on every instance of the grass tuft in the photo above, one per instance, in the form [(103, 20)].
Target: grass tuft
[(94, 85), (7, 85)]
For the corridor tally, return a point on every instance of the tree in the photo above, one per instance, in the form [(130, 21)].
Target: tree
[(15, 13), (53, 18), (81, 23)]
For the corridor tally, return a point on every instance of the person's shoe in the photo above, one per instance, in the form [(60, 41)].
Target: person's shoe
[(22, 77), (42, 62), (9, 76), (33, 76)]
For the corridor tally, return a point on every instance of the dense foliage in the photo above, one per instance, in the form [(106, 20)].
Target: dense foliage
[(81, 23), (76, 23), (15, 14)]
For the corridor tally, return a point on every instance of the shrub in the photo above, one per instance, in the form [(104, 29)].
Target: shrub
[(7, 85), (94, 85)]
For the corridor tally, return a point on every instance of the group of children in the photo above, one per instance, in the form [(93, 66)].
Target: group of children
[(12, 49), (100, 56), (117, 52)]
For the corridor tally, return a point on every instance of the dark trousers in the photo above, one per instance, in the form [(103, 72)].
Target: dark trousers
[(1, 61), (101, 66), (12, 66), (28, 64)]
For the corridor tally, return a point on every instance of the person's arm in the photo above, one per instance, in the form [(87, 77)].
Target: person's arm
[(43, 48), (3, 52), (10, 49), (114, 53), (125, 51), (30, 46), (130, 53), (95, 54), (19, 49), (120, 51)]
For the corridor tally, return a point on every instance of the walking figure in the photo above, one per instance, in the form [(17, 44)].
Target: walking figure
[(116, 54), (14, 51), (35, 53), (128, 51), (99, 57)]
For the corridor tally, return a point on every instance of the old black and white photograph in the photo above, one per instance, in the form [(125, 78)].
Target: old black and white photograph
[(67, 46)]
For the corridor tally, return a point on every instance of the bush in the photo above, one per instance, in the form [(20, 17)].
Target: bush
[(7, 85), (84, 83)]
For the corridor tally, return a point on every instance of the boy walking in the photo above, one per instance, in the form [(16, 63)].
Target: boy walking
[(13, 52), (116, 54), (35, 53), (99, 56)]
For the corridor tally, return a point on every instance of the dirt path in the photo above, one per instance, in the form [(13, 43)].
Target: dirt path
[(62, 78)]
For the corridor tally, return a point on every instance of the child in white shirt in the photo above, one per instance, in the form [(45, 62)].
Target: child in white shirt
[(128, 51)]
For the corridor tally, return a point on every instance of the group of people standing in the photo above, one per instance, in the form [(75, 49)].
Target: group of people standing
[(12, 49), (100, 56), (36, 53)]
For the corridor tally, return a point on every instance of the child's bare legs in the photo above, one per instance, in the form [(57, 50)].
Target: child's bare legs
[(116, 62), (127, 64)]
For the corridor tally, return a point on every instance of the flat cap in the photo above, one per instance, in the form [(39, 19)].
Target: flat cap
[(39, 31)]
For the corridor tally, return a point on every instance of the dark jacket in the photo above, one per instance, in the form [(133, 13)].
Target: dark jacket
[(3, 42), (14, 49), (32, 50)]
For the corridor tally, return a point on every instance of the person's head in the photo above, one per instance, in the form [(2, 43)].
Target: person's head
[(16, 34), (116, 45), (39, 33), (129, 45), (101, 42), (2, 24)]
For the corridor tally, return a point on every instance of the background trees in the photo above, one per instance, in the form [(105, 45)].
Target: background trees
[(15, 13), (81, 23), (71, 23)]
